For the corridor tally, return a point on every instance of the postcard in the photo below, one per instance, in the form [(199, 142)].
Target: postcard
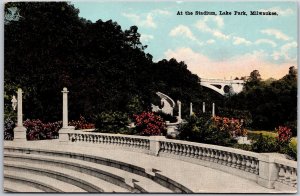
[(150, 97)]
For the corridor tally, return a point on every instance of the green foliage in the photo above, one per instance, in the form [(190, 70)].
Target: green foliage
[(247, 147), (9, 126), (265, 143), (203, 130), (291, 150), (271, 103), (166, 117), (112, 122)]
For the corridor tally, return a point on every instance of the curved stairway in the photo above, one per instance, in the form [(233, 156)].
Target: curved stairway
[(49, 171)]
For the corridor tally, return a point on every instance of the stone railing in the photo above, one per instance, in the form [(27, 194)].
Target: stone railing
[(287, 174), (270, 170), (128, 141)]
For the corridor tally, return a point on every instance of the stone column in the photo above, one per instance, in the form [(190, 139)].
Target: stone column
[(179, 109), (20, 130), (191, 109), (65, 108), (63, 132), (213, 110), (268, 172), (203, 107), (155, 145)]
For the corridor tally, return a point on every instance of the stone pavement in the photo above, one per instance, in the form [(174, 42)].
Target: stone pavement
[(195, 177)]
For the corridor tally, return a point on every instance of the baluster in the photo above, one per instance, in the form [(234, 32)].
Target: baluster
[(281, 173), (208, 153), (187, 150), (233, 161), (121, 141), (96, 139), (142, 144), (176, 149), (183, 150), (192, 152), (224, 158), (287, 175), (212, 155), (238, 161), (180, 149), (256, 167), (196, 152), (220, 157), (117, 140), (200, 153), (229, 160), (131, 142), (243, 164), (216, 158), (248, 164), (252, 166), (293, 178), (169, 147), (203, 154)]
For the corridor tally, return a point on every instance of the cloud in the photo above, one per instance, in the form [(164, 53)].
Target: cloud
[(146, 38), (147, 22), (238, 66), (265, 41), (203, 26), (280, 11), (240, 40), (275, 32), (161, 12), (184, 31), (285, 52), (210, 41)]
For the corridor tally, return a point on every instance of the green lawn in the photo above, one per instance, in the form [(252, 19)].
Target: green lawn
[(255, 133)]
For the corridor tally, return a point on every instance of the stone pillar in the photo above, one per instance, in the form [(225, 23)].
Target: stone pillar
[(20, 130), (154, 144), (179, 109), (268, 172), (63, 132), (191, 109), (213, 110), (203, 107), (65, 108)]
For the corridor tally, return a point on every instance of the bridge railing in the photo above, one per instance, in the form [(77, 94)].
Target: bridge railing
[(270, 170), (222, 81)]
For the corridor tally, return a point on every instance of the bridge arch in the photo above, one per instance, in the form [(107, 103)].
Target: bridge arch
[(223, 87)]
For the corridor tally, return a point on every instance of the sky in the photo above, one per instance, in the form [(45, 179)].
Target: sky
[(213, 46)]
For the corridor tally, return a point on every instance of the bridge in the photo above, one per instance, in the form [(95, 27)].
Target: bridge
[(81, 161), (223, 87)]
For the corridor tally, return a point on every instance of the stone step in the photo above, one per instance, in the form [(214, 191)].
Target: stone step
[(131, 181), (71, 177), (13, 186), (42, 182)]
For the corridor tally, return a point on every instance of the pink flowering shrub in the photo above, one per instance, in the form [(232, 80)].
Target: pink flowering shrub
[(147, 123), (81, 124), (233, 126), (37, 130), (284, 134)]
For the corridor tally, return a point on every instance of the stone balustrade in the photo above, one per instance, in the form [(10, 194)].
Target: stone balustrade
[(270, 170), (238, 159), (110, 139), (287, 174)]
